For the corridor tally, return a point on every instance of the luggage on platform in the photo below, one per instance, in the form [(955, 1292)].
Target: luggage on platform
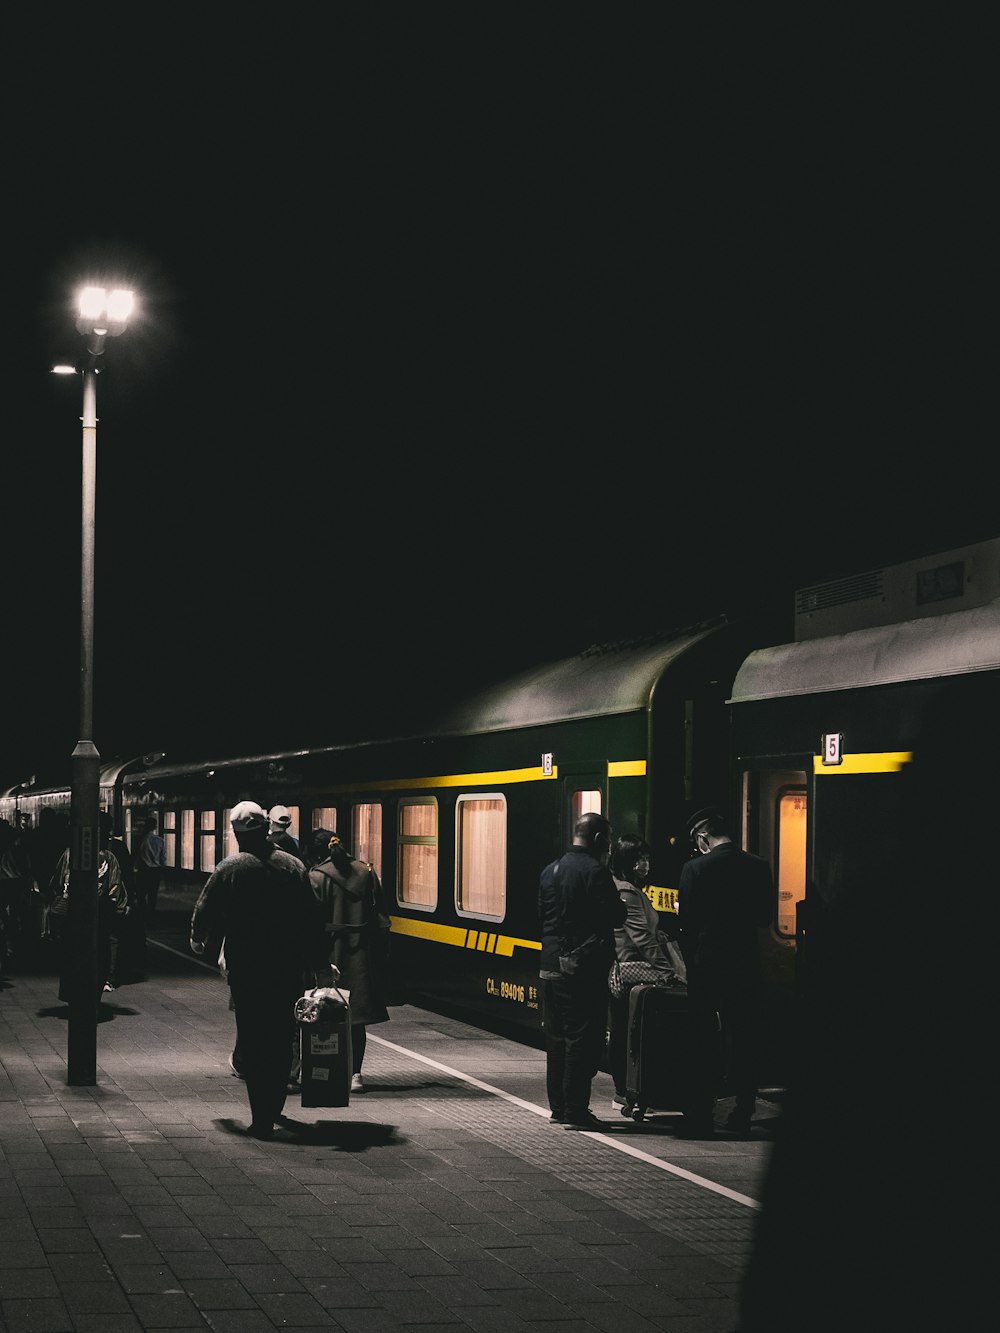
[(324, 1023), (659, 1050)]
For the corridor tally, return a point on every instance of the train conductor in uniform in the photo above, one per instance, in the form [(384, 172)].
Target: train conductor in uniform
[(725, 896)]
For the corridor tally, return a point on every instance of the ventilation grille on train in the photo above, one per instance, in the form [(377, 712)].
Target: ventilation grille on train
[(857, 588), (931, 585)]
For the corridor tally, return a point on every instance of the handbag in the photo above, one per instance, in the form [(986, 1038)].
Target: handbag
[(634, 972)]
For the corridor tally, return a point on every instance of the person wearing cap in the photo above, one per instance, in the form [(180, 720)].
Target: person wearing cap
[(725, 895), (578, 910), (258, 903), (280, 820)]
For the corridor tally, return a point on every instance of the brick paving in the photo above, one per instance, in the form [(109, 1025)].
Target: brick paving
[(433, 1202)]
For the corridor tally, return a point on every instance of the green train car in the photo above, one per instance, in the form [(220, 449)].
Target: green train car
[(803, 742), (459, 818)]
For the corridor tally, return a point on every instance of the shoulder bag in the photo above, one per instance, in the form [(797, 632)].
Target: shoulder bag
[(637, 972)]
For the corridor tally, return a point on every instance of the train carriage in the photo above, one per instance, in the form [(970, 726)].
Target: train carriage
[(459, 818), (809, 744), (837, 746)]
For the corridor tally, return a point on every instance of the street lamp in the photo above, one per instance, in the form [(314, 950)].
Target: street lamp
[(101, 314)]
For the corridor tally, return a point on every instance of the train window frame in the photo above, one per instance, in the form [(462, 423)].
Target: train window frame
[(789, 789), (461, 801), (293, 827), (405, 842), (576, 808), (229, 844), (187, 838), (323, 816), (762, 788), (208, 845), (368, 848), (169, 835)]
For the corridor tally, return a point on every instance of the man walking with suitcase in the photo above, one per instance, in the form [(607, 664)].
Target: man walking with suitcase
[(259, 903), (579, 908)]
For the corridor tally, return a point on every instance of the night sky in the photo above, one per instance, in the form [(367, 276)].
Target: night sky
[(439, 375)]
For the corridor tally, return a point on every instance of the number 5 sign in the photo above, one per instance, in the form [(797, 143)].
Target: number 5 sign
[(832, 747)]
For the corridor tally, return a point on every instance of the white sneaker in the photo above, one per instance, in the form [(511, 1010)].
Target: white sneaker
[(356, 1084)]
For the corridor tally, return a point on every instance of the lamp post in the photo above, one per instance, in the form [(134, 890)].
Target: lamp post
[(100, 315)]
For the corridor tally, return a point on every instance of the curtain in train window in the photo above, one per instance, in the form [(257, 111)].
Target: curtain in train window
[(170, 837), (325, 816), (206, 840), (791, 858), (481, 860), (293, 827), (187, 839), (229, 844), (366, 834), (418, 853), (584, 801)]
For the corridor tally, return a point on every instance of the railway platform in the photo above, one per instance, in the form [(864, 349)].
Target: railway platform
[(440, 1199)]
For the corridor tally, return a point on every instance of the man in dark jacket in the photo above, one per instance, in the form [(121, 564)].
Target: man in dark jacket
[(260, 904), (579, 908), (281, 830), (725, 896)]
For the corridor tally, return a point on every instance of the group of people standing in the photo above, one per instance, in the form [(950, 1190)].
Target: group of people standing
[(35, 891), (593, 909), (281, 918)]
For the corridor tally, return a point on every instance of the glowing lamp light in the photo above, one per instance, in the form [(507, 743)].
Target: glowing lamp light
[(102, 312)]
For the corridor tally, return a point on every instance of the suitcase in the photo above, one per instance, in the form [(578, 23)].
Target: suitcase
[(324, 1023), (659, 1050)]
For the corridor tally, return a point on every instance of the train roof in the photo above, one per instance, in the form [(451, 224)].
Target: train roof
[(603, 680), (944, 645)]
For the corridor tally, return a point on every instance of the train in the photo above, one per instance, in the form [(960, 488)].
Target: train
[(800, 740)]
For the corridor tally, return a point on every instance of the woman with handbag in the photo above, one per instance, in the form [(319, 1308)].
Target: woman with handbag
[(641, 950)]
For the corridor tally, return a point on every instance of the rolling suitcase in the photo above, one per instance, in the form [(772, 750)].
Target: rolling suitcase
[(324, 1022), (658, 1053)]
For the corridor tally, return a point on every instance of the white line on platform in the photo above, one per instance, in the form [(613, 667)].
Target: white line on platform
[(609, 1139)]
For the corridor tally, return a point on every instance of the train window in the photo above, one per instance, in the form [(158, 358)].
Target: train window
[(366, 834), (170, 837), (325, 816), (293, 827), (206, 840), (791, 857), (583, 801), (481, 857), (187, 839), (229, 844), (417, 864), (773, 825)]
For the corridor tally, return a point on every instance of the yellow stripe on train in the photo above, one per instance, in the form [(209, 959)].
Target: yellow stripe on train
[(459, 937), (888, 762), (617, 768)]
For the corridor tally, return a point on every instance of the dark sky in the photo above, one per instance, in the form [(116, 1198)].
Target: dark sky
[(438, 375)]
